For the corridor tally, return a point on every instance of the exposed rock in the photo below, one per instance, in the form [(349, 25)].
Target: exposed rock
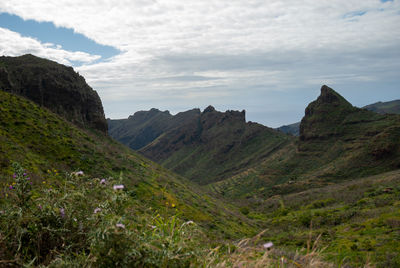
[(324, 115), (54, 86)]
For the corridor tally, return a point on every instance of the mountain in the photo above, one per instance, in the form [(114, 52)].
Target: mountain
[(214, 146), (42, 141), (54, 86), (293, 129), (144, 127), (390, 107), (337, 142)]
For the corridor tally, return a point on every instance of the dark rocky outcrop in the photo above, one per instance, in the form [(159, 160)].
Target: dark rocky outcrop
[(324, 116), (54, 86)]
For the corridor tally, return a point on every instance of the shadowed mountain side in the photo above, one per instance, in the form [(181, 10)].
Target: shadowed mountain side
[(143, 127), (337, 142), (215, 146), (54, 86)]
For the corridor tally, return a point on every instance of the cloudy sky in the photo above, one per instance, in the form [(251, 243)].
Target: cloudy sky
[(267, 57)]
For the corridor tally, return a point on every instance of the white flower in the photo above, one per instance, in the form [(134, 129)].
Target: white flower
[(120, 225), (96, 210), (118, 187), (268, 245)]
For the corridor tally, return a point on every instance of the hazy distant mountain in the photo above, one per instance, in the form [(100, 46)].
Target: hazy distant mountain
[(54, 86), (293, 129), (389, 107)]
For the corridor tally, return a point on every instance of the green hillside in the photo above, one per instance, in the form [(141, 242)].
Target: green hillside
[(337, 142), (215, 146), (144, 127), (40, 141)]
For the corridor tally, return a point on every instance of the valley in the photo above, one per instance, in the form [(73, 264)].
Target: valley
[(195, 189)]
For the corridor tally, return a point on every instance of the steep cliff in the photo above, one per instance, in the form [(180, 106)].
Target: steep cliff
[(54, 86)]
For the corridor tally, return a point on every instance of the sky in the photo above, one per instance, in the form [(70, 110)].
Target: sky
[(269, 58)]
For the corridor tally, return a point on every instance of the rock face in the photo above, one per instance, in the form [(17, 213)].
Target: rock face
[(324, 116), (332, 126), (214, 145), (54, 86)]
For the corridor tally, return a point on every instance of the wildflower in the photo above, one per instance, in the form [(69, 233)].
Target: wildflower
[(77, 173), (28, 178), (120, 225), (153, 227), (24, 174), (173, 205), (14, 175), (40, 207), (96, 210), (118, 187), (103, 181), (11, 187), (62, 212), (268, 245)]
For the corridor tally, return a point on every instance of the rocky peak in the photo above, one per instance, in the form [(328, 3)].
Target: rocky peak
[(209, 109), (324, 115), (54, 86)]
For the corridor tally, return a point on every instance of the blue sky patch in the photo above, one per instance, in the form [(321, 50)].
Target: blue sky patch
[(47, 32), (354, 14)]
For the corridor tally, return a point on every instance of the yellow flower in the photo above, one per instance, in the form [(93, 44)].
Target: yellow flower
[(173, 205)]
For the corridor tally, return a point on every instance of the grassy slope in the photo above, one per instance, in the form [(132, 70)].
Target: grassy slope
[(340, 142), (359, 221), (41, 140)]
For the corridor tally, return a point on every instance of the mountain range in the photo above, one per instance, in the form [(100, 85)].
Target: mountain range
[(337, 183)]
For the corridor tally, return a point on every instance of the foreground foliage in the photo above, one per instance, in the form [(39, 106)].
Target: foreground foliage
[(73, 220)]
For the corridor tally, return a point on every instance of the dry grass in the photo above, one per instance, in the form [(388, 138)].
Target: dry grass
[(251, 253)]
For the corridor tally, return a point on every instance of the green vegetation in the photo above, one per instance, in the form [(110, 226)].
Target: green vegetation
[(215, 146), (41, 141), (357, 222), (78, 198)]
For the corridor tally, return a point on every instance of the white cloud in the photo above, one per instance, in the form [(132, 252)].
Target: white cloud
[(13, 44), (235, 47)]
